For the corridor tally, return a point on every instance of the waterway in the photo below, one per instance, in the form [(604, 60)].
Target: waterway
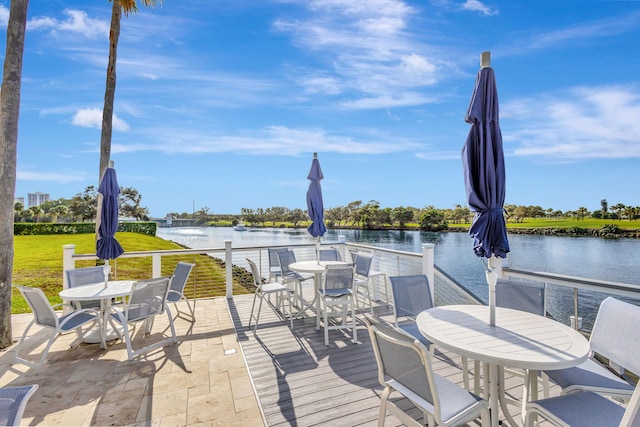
[(616, 260)]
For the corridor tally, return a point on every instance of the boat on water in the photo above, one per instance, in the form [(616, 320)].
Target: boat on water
[(240, 227)]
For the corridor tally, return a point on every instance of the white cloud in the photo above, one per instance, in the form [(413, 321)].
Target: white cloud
[(373, 56), (77, 22), (583, 123), (62, 178), (4, 16), (92, 118), (478, 6), (272, 140)]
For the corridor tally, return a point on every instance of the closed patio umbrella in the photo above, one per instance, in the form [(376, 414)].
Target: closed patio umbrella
[(107, 247), (484, 174), (315, 208)]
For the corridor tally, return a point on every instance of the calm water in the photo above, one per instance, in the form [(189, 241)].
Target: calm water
[(615, 260)]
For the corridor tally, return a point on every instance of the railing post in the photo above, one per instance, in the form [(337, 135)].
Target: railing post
[(67, 262), (428, 261), (156, 265), (228, 268)]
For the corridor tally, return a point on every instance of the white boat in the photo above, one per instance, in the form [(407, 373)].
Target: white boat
[(240, 227)]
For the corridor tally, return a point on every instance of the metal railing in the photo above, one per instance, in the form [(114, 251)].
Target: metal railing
[(571, 297)]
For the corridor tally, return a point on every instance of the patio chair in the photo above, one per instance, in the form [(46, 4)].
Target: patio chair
[(148, 298), (44, 315), (278, 289), (524, 296), (329, 255), (274, 263), (82, 277), (405, 365), (411, 295), (286, 258), (337, 291), (585, 408), (364, 275), (615, 337), (13, 401), (176, 290)]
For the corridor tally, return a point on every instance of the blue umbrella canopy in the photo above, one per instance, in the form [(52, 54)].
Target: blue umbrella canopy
[(315, 208), (107, 247), (484, 170)]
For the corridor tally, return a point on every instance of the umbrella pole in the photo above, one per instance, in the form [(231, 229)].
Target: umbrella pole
[(106, 268), (318, 249)]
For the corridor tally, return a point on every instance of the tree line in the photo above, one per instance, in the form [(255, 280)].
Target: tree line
[(81, 208)]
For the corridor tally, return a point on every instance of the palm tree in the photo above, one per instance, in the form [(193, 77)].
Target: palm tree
[(118, 7), (9, 114)]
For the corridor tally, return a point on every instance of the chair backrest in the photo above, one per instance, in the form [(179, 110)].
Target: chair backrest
[(274, 262), (615, 333), (338, 277), (40, 306), (180, 276), (329, 255), (411, 295), (13, 400), (84, 276), (257, 279), (521, 295), (363, 263), (147, 298), (285, 258), (404, 360)]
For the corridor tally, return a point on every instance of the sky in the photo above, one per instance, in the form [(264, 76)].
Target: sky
[(220, 104)]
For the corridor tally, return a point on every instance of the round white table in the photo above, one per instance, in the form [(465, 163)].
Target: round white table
[(317, 268), (518, 339), (98, 291)]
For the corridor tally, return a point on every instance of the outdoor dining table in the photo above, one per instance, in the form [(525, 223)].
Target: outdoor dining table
[(317, 268), (98, 291), (518, 340)]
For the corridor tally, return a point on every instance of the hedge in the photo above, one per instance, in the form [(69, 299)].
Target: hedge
[(43, 228)]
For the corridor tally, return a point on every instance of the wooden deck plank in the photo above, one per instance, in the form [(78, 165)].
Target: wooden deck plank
[(301, 382)]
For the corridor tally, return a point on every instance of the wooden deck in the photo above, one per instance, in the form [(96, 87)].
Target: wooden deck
[(301, 382)]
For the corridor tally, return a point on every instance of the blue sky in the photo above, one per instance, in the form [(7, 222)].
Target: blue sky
[(221, 104)]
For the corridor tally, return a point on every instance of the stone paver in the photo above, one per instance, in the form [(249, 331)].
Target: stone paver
[(201, 381)]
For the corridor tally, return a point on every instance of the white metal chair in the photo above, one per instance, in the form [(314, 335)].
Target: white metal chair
[(331, 254), (278, 289), (585, 408), (405, 365), (274, 263), (286, 258), (176, 290), (614, 336), (44, 315), (13, 401), (337, 291), (411, 295), (147, 299), (82, 277), (524, 296), (365, 275)]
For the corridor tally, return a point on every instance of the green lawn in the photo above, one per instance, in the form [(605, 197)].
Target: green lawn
[(38, 260)]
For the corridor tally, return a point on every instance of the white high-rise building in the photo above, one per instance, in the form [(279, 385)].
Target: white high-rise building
[(37, 198)]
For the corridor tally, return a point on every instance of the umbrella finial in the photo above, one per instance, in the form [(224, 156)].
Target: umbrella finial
[(315, 155), (485, 59)]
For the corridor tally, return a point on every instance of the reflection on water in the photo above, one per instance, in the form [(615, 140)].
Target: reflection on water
[(606, 259)]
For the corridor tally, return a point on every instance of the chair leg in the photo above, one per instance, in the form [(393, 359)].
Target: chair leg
[(173, 328), (43, 358), (255, 327), (353, 321), (255, 296), (382, 414)]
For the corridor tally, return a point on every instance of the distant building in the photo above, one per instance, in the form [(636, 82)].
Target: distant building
[(37, 198), (19, 200)]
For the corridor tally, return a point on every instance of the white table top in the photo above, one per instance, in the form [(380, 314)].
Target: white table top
[(96, 291), (313, 266), (519, 339)]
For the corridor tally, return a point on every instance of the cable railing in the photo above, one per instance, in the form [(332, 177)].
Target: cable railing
[(224, 271)]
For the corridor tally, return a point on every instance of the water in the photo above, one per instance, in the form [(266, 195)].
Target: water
[(605, 259)]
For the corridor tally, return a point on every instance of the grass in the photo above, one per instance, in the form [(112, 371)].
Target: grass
[(38, 263), (569, 223)]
